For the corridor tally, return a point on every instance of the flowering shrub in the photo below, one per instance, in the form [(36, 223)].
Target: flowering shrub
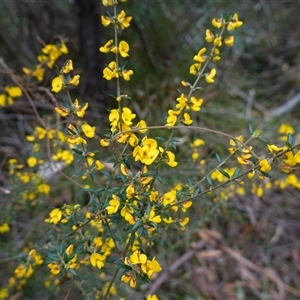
[(111, 242)]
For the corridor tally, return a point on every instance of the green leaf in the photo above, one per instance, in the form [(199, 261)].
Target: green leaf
[(196, 192), (73, 272), (218, 158), (208, 179), (79, 152), (236, 173), (289, 140), (265, 174), (159, 138), (223, 172), (135, 226), (250, 129)]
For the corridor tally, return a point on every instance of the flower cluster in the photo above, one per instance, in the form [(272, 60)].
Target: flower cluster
[(139, 266)]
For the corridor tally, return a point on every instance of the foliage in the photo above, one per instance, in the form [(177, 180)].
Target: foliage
[(117, 204)]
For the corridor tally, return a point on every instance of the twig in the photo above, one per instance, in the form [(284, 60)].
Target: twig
[(177, 264)]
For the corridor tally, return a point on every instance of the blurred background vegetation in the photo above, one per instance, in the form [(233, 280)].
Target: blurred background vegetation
[(255, 81)]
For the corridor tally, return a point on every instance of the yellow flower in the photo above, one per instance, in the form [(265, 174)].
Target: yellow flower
[(218, 41), (199, 57), (4, 227), (88, 130), (62, 111), (209, 36), (113, 206), (20, 271), (234, 23), (31, 161), (210, 77), (68, 67), (142, 124), (105, 21), (172, 118), (57, 84), (289, 158), (184, 222), (104, 142), (151, 266), (126, 213), (129, 278), (126, 74), (154, 218), (123, 49), (264, 165), (123, 21), (97, 260), (54, 268), (138, 258), (75, 80), (187, 119), (110, 71), (108, 2), (194, 68), (13, 91), (69, 250), (286, 129), (107, 47), (216, 55), (55, 216), (274, 149), (44, 188), (127, 116), (216, 22), (229, 41), (171, 159)]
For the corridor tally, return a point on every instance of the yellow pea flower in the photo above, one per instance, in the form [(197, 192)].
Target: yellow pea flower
[(200, 57), (97, 260), (171, 159), (75, 80), (68, 67), (209, 36), (107, 47), (264, 165), (105, 21), (57, 84), (187, 119), (113, 206), (88, 130), (129, 278), (55, 216), (126, 74), (216, 22), (123, 49), (210, 76), (13, 91), (123, 21), (229, 41), (62, 111)]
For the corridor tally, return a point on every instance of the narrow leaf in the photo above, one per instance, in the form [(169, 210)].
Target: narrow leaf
[(250, 129), (218, 158), (223, 172), (236, 173), (208, 179), (79, 152)]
